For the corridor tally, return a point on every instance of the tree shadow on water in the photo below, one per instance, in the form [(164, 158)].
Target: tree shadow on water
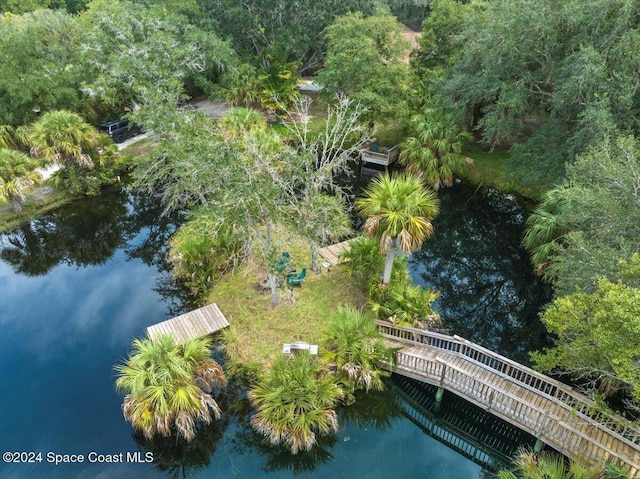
[(179, 458), (277, 458), (82, 233), (375, 409), (475, 258)]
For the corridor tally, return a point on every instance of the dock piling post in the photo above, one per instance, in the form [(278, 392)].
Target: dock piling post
[(538, 445), (440, 391)]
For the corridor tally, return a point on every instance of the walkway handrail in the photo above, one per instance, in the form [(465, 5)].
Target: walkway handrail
[(561, 431), (559, 392), (480, 449)]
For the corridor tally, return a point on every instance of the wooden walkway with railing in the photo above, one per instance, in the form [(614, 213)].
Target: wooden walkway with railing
[(548, 409), (486, 440), (194, 324)]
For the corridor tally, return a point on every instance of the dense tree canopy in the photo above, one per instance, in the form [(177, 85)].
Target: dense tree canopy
[(97, 62), (582, 230), (598, 337), (24, 6), (132, 52), (440, 42), (39, 65), (366, 61), (411, 12), (569, 68), (292, 29)]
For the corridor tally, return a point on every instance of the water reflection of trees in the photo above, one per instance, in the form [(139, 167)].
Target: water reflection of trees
[(88, 232), (82, 233), (375, 409), (279, 457), (147, 216), (179, 458), (475, 259)]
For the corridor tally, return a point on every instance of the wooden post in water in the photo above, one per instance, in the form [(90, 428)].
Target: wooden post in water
[(440, 391)]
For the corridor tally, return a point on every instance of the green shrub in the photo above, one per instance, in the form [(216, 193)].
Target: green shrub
[(401, 302), (364, 261), (295, 402), (406, 305), (353, 347), (199, 257)]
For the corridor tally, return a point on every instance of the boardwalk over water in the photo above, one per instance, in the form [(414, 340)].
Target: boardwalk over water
[(332, 254), (464, 427), (195, 324), (548, 409)]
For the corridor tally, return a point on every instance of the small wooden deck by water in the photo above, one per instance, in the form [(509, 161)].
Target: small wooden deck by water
[(548, 409), (195, 324), (332, 254)]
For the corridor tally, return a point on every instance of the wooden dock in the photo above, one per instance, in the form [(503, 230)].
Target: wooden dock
[(332, 254), (379, 154), (195, 324), (548, 409)]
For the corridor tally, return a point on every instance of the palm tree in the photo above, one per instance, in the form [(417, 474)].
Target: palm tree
[(168, 386), (401, 208), (7, 136), (530, 465), (16, 175), (434, 149), (295, 401), (64, 138), (353, 346), (406, 304), (242, 120), (363, 261), (546, 228)]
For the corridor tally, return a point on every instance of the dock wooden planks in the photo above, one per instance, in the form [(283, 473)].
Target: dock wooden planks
[(567, 427), (195, 324), (332, 254)]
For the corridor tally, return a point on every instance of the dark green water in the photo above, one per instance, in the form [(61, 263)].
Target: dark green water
[(78, 285), (489, 294)]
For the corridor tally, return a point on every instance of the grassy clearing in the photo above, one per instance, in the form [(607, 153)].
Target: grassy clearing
[(257, 330), (138, 148), (488, 169)]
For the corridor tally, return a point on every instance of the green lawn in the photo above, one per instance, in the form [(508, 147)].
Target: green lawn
[(138, 148), (257, 330)]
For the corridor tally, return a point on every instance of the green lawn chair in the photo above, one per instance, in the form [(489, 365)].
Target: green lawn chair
[(295, 279), (282, 263)]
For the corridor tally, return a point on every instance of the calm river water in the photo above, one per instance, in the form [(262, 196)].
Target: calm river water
[(79, 284)]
